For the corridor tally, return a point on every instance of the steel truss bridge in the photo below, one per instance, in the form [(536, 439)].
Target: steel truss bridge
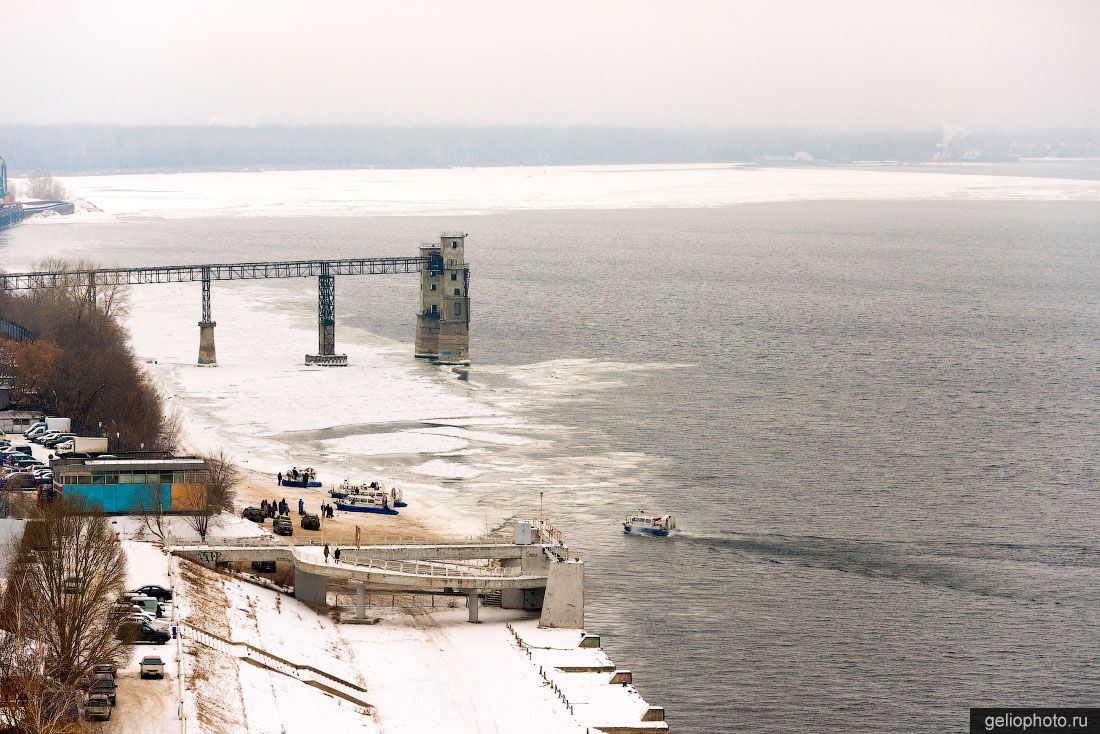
[(324, 270)]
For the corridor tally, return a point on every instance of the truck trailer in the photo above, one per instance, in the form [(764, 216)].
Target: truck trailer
[(83, 445), (61, 425)]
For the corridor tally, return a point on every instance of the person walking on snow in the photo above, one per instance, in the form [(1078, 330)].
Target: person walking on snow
[(336, 555), (279, 478), (326, 552), (301, 506)]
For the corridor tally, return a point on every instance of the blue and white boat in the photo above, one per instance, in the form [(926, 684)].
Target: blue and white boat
[(376, 502), (300, 478), (658, 526), (348, 490)]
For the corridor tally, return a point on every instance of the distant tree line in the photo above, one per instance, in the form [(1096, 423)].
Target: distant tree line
[(106, 148), (80, 364)]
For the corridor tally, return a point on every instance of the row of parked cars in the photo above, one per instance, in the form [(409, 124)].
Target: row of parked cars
[(282, 524), (20, 469), (137, 615)]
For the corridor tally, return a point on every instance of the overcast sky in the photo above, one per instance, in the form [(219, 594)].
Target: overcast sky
[(841, 64)]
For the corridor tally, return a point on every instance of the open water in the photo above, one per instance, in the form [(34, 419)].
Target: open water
[(876, 423)]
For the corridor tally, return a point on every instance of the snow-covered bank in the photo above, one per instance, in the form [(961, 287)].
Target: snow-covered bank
[(487, 190)]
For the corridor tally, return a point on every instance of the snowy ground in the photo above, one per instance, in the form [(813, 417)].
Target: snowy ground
[(423, 672)]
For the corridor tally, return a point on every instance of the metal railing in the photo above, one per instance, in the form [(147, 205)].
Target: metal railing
[(430, 569), (256, 541)]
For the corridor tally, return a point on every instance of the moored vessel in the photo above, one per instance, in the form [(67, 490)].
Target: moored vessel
[(376, 502)]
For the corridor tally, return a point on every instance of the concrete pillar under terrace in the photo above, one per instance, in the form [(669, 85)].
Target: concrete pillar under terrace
[(361, 600), (472, 603)]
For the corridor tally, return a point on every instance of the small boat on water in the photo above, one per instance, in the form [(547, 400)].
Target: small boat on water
[(377, 502), (656, 525)]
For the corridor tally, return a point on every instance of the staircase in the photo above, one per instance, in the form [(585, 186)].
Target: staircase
[(307, 674), (492, 599)]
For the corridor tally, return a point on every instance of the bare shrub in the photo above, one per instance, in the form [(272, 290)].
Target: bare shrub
[(41, 185)]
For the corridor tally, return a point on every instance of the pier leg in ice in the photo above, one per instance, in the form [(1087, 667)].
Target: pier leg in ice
[(207, 354)]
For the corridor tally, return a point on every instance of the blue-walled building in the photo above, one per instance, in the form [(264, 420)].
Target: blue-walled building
[(129, 484)]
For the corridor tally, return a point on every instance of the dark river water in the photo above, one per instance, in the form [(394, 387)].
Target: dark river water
[(877, 424)]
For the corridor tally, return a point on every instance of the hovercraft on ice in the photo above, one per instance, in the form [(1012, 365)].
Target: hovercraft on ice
[(300, 478), (659, 526), (376, 502), (347, 490)]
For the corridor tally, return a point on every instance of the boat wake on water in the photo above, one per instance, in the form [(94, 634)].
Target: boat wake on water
[(1050, 573)]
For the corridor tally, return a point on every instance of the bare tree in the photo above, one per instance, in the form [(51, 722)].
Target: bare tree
[(153, 513), (74, 286), (214, 494), (55, 612)]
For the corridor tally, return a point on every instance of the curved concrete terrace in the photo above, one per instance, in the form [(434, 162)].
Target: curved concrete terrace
[(530, 576)]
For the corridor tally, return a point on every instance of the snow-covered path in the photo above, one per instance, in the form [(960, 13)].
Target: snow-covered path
[(437, 672)]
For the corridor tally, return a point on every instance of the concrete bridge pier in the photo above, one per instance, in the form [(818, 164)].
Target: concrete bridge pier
[(208, 356)]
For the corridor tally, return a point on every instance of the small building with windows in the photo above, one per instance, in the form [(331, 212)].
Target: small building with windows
[(17, 421), (132, 483)]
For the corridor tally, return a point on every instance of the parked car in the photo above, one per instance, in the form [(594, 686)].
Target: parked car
[(255, 514), (134, 614), (282, 526), (264, 566), (36, 429), (149, 604), (51, 443), (97, 707), (157, 592), (134, 632), (152, 667), (107, 668), (45, 436), (73, 585), (311, 522), (104, 685)]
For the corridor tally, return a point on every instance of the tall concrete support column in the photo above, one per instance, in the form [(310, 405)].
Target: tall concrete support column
[(326, 323), (454, 323), (207, 353), (431, 304), (472, 604)]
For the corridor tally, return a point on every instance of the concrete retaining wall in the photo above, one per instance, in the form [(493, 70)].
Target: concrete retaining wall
[(563, 605)]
